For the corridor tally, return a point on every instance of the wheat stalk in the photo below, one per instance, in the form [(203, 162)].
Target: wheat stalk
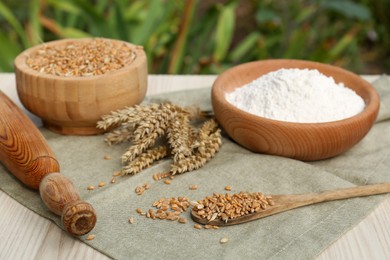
[(196, 114), (144, 124)]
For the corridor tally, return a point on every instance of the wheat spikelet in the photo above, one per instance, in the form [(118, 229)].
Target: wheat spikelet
[(180, 136), (119, 135), (206, 149), (157, 121), (144, 160), (206, 129), (127, 115), (150, 129), (152, 125), (140, 147)]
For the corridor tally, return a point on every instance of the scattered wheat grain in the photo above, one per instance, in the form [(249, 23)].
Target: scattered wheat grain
[(224, 240), (139, 190), (197, 226), (208, 226), (91, 237), (116, 174), (193, 187)]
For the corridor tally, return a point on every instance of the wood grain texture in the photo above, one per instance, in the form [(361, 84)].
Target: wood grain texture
[(73, 105), (25, 153), (22, 151), (30, 236), (59, 195), (288, 202), (302, 141)]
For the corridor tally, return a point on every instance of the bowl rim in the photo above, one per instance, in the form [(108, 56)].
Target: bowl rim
[(371, 107), (21, 65)]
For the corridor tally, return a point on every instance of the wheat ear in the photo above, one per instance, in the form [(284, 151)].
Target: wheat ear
[(145, 160), (119, 135), (127, 115), (180, 135), (205, 150)]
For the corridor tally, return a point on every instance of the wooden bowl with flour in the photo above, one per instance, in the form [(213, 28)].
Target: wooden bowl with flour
[(306, 141), (71, 83)]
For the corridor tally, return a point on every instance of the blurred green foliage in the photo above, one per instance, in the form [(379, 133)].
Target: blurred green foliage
[(207, 37)]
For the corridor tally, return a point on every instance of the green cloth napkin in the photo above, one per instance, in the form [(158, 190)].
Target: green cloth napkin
[(297, 234)]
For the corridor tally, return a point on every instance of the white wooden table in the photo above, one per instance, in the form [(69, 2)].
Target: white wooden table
[(26, 235)]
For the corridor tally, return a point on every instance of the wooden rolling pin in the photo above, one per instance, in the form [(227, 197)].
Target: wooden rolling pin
[(24, 151)]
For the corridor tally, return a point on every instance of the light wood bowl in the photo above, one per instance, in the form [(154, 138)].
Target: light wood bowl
[(302, 141), (73, 105)]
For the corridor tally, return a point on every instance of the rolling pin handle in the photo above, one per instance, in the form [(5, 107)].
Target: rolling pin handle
[(25, 153), (60, 196)]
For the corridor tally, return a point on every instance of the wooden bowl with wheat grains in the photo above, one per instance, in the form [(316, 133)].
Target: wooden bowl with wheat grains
[(71, 83), (302, 141)]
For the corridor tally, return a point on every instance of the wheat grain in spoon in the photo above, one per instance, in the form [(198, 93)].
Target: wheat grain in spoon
[(279, 203)]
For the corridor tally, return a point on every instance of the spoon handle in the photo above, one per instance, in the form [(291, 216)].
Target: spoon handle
[(300, 200)]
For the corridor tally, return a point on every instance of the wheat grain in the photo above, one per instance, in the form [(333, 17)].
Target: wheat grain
[(223, 240), (197, 226), (230, 206), (82, 58), (90, 237), (193, 187)]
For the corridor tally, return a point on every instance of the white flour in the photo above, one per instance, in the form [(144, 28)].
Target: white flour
[(297, 95)]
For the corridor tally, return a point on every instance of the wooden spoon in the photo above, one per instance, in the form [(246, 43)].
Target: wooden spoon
[(287, 202)]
